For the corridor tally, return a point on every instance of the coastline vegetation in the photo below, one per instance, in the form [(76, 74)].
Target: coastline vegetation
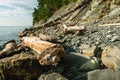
[(46, 8)]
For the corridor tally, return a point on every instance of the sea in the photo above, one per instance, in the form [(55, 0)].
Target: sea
[(10, 32)]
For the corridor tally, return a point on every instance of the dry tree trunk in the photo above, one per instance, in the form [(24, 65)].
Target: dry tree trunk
[(9, 48), (48, 53), (73, 28), (112, 24)]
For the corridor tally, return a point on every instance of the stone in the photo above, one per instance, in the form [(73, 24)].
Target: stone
[(106, 74), (52, 76), (109, 36), (83, 62), (84, 46), (90, 65), (21, 66), (75, 59), (89, 51), (111, 57), (45, 37), (115, 38)]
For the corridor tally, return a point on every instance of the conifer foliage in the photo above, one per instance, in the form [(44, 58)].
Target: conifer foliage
[(46, 8)]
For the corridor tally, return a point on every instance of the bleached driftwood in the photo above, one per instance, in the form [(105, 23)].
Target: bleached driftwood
[(10, 46), (73, 28), (48, 53), (45, 37), (114, 24)]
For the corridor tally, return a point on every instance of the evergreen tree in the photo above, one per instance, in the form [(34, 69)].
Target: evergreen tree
[(46, 8)]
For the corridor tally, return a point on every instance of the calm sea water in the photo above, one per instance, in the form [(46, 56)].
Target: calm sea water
[(10, 32)]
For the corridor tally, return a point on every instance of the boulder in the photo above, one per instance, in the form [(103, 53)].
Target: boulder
[(52, 76), (91, 64), (20, 66), (111, 57), (81, 61), (106, 74)]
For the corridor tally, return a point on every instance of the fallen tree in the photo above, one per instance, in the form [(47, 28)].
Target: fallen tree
[(9, 48), (48, 53)]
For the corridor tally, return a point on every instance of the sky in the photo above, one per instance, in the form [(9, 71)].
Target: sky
[(16, 12)]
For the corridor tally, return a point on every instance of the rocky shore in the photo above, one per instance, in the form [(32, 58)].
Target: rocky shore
[(90, 54)]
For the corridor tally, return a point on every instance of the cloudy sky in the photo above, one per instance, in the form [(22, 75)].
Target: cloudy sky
[(16, 12)]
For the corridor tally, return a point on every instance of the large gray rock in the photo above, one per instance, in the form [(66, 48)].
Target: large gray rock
[(111, 57), (107, 74)]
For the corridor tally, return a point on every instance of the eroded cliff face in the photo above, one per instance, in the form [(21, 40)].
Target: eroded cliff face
[(89, 11)]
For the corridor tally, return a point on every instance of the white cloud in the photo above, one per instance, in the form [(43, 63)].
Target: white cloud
[(17, 7), (16, 12)]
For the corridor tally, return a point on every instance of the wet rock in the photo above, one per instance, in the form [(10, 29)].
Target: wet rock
[(106, 74), (91, 64), (75, 59), (84, 46), (111, 57), (52, 76)]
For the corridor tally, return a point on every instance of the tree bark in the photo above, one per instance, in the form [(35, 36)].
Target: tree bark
[(48, 53)]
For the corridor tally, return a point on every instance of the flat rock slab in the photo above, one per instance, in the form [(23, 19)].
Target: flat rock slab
[(75, 59), (82, 61)]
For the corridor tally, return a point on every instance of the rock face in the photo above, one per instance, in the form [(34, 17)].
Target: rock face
[(111, 57)]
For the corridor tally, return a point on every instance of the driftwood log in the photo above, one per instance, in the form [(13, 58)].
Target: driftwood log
[(48, 53), (73, 28), (10, 46), (114, 24)]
